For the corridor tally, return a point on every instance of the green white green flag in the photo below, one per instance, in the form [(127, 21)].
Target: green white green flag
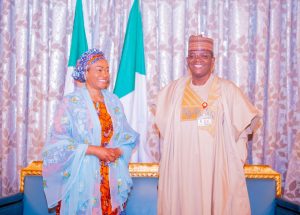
[(130, 84), (79, 44)]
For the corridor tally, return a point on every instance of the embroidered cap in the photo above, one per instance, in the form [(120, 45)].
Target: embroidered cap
[(198, 42)]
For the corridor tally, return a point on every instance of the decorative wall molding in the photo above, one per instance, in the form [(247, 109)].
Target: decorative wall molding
[(151, 170)]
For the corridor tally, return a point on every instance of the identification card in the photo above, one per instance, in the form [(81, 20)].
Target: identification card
[(205, 119)]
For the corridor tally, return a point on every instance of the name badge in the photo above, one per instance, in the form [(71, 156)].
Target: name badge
[(205, 119)]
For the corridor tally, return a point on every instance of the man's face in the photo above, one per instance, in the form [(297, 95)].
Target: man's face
[(200, 63)]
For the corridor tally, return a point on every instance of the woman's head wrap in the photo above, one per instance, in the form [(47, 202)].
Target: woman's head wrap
[(87, 58)]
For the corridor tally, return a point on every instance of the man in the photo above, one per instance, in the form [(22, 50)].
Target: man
[(204, 121)]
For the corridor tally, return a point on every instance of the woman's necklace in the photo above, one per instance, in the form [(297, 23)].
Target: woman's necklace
[(97, 106), (97, 98)]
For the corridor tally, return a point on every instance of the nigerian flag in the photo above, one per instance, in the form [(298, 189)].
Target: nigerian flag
[(130, 84), (79, 44)]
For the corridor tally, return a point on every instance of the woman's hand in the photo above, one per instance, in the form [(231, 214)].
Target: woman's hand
[(104, 154), (118, 152)]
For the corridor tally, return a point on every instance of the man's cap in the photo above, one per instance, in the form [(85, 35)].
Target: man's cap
[(199, 42)]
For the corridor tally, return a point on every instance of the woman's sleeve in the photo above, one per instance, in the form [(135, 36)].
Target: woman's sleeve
[(128, 139), (62, 156)]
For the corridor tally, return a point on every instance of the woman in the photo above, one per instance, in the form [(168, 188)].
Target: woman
[(86, 156)]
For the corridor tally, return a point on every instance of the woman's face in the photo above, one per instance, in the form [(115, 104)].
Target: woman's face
[(97, 75)]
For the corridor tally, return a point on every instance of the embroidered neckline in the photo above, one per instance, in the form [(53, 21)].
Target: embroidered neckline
[(192, 104)]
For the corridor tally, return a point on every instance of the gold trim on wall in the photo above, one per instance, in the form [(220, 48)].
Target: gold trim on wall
[(264, 172), (35, 168), (151, 170)]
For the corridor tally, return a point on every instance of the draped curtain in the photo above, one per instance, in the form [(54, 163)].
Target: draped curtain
[(257, 46)]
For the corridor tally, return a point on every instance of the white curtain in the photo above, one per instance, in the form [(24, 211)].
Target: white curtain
[(257, 46)]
